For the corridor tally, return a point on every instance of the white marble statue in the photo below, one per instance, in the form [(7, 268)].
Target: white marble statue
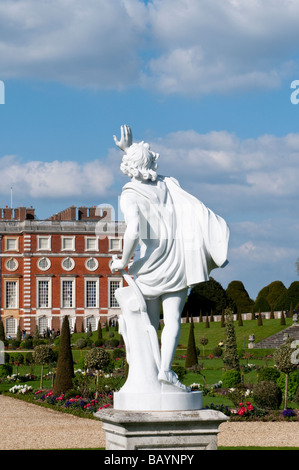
[(180, 240)]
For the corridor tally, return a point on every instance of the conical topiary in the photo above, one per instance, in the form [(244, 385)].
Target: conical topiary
[(65, 366), (191, 355), (231, 358), (2, 332)]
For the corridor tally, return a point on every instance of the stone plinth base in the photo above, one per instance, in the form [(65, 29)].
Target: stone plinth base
[(161, 430), (165, 401)]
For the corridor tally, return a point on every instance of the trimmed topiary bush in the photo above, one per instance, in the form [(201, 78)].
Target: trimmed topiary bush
[(5, 370), (267, 395), (268, 374), (231, 378), (217, 351), (65, 366), (81, 343)]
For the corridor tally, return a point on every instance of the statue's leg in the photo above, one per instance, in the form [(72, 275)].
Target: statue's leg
[(173, 304), (153, 307)]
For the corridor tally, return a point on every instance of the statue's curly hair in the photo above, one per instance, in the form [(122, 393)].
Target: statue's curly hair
[(140, 162)]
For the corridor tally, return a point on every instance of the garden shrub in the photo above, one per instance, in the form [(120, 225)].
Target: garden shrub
[(81, 343), (15, 344), (293, 383), (296, 397), (231, 378), (27, 343), (217, 351), (5, 370), (268, 374), (112, 343), (98, 343), (267, 395)]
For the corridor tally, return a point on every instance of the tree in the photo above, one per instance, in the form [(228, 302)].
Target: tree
[(2, 332), (43, 354), (97, 359), (237, 292), (207, 296), (222, 319), (191, 354), (65, 366), (203, 341), (100, 334), (259, 320), (271, 297), (282, 318), (231, 358), (282, 357)]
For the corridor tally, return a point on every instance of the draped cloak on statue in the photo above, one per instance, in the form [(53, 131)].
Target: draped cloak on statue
[(181, 240)]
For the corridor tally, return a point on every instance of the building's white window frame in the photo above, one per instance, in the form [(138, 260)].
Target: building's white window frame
[(10, 330), (73, 242), (43, 237), (96, 264), (63, 304), (112, 301), (14, 305), (47, 266), (111, 240), (43, 323), (12, 268), (91, 320), (38, 292), (96, 280), (10, 238), (72, 264), (96, 243)]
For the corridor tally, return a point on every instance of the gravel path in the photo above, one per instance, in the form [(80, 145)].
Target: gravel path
[(28, 426)]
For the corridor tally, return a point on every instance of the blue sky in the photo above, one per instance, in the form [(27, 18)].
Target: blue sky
[(206, 82)]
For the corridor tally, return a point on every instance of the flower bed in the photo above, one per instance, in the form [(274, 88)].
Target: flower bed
[(74, 403)]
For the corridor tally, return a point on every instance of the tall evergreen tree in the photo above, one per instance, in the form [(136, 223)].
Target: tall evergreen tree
[(191, 355), (237, 292), (259, 320), (282, 318), (65, 366), (100, 333), (222, 319), (2, 332), (231, 358)]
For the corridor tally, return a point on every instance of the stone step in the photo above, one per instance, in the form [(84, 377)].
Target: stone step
[(278, 339)]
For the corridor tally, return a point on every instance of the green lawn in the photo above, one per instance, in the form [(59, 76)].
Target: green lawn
[(212, 367)]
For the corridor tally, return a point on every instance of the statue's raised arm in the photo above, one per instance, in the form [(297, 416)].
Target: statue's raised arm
[(126, 138)]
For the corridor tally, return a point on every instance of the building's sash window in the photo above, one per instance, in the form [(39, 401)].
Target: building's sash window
[(44, 243), (11, 294), (91, 293), (43, 294), (91, 244), (68, 293), (68, 243), (113, 285), (11, 244), (11, 326)]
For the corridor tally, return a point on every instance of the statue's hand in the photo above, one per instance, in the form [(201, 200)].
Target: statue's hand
[(117, 265), (126, 138)]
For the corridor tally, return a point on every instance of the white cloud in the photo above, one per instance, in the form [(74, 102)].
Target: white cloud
[(173, 46), (55, 179), (92, 44), (238, 175)]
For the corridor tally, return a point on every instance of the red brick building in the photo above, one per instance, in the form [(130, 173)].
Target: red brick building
[(56, 267)]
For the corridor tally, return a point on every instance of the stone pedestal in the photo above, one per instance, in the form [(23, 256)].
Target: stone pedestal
[(161, 430)]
